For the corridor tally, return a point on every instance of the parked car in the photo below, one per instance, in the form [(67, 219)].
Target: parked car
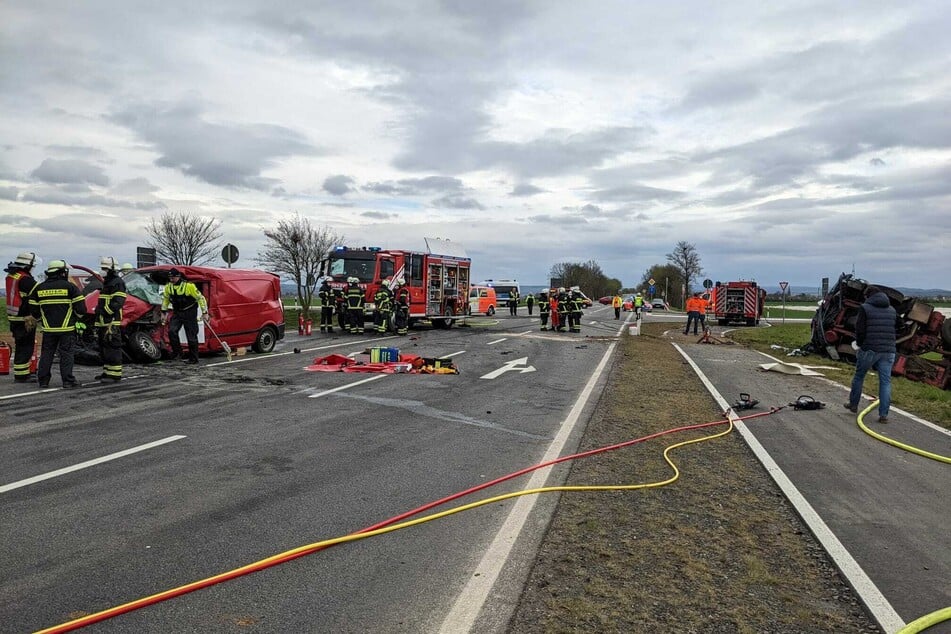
[(244, 308), (605, 300), (628, 305), (657, 302)]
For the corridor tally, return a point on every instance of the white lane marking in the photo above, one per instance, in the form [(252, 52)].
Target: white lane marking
[(492, 343), (57, 389), (451, 355), (88, 463), (375, 377), (469, 603), (926, 423), (512, 365), (868, 592)]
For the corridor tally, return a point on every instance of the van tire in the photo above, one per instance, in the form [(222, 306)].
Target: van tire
[(491, 311), (143, 347), (266, 340)]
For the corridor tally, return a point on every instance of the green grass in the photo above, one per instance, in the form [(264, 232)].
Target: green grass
[(918, 398)]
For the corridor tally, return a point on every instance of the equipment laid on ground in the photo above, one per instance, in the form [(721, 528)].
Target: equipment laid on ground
[(437, 282), (224, 346), (807, 402), (738, 302), (745, 402), (924, 330)]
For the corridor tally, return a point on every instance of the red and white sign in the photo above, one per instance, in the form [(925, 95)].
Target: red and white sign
[(783, 285)]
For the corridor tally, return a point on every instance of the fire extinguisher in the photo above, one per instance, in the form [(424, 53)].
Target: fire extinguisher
[(300, 323), (308, 328), (33, 361), (4, 358)]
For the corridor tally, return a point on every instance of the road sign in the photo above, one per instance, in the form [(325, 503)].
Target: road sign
[(708, 283), (229, 254), (652, 289), (651, 281), (783, 285), (144, 256)]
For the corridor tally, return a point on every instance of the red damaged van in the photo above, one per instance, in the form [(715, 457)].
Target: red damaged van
[(244, 307)]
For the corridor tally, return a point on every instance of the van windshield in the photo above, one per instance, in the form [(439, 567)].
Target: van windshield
[(143, 287)]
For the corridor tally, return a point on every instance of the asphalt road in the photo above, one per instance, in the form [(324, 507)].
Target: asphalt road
[(260, 457)]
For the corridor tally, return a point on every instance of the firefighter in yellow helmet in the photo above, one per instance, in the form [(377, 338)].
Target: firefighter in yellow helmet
[(19, 284), (109, 320), (58, 305)]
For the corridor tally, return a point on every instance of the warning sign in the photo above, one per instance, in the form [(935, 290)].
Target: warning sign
[(783, 285)]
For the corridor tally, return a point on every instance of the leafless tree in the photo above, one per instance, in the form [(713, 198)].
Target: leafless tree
[(687, 262), (182, 238), (294, 249), (588, 276)]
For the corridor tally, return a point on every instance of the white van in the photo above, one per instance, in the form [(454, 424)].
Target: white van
[(502, 289)]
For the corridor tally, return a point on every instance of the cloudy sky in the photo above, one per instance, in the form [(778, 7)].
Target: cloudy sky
[(786, 140)]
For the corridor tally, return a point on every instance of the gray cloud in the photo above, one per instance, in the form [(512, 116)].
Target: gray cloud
[(415, 186), (525, 189), (69, 171), (379, 215), (9, 193), (457, 202), (338, 185), (232, 155)]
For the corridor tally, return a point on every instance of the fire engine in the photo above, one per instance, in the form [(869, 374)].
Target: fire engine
[(438, 282), (738, 302)]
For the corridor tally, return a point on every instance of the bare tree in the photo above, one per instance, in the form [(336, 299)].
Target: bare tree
[(687, 262), (295, 249), (588, 276), (181, 238)]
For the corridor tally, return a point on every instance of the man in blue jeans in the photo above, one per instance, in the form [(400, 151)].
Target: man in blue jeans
[(876, 327)]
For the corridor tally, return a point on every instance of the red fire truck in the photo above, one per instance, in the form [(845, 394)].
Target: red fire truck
[(438, 282), (735, 302)]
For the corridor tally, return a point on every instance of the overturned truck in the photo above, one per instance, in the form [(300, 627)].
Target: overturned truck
[(923, 344)]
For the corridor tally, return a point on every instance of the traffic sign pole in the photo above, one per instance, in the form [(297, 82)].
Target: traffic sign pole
[(783, 286)]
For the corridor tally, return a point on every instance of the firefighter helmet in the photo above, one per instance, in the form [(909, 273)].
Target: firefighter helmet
[(57, 266), (561, 289), (127, 268), (26, 259), (108, 263)]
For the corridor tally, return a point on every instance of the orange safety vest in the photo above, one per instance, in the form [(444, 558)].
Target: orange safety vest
[(616, 302)]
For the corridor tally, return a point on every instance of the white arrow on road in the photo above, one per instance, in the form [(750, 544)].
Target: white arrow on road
[(511, 365)]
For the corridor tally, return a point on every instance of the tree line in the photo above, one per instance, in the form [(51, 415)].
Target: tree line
[(295, 248)]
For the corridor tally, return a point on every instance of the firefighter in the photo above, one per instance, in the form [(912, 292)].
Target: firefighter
[(109, 320), (638, 304), (326, 295), (402, 308), (530, 303), (563, 309), (576, 307), (355, 303), (184, 298), (19, 285), (616, 303), (340, 307), (58, 305), (126, 269), (513, 301), (383, 299), (544, 308)]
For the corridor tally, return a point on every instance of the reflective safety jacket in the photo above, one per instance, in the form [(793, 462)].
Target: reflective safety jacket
[(111, 298), (383, 300), (355, 299), (326, 295), (57, 304), (184, 298), (616, 302), (544, 306), (19, 286)]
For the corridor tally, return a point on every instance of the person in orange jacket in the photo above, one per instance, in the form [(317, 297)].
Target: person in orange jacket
[(694, 305)]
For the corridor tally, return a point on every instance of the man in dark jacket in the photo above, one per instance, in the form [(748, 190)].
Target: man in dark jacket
[(184, 298), (57, 304), (876, 329)]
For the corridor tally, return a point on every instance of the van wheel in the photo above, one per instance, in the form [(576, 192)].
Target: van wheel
[(143, 347), (266, 340), (491, 311)]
